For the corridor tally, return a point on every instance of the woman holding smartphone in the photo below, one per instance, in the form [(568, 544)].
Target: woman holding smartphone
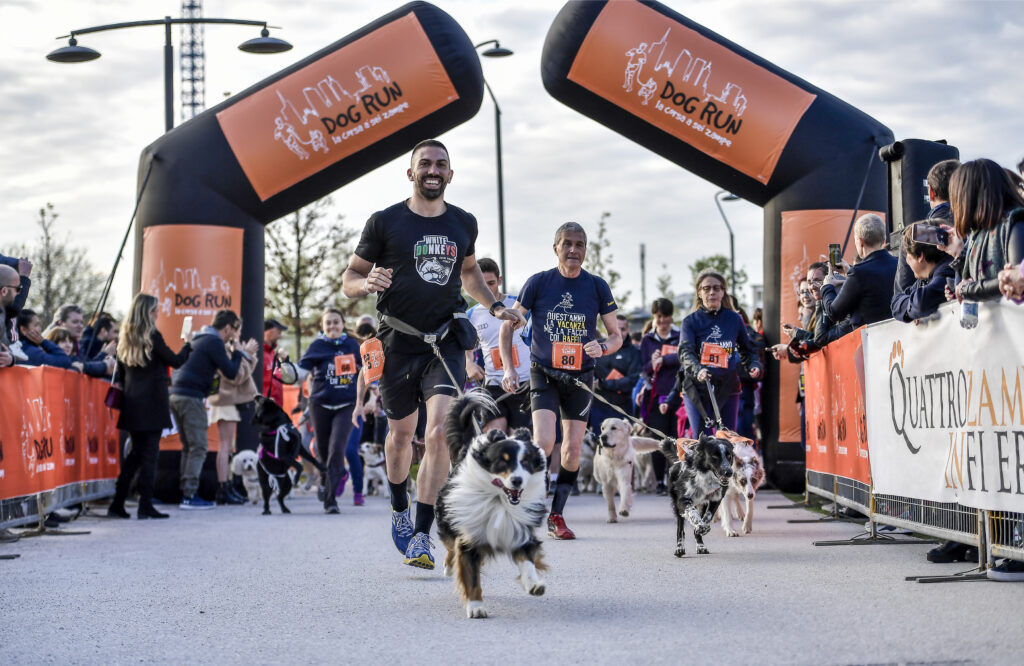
[(142, 361)]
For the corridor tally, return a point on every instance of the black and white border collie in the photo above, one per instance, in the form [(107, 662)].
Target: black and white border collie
[(492, 502), (697, 483)]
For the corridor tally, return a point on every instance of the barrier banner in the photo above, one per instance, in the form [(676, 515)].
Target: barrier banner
[(54, 431), (837, 435), (945, 413)]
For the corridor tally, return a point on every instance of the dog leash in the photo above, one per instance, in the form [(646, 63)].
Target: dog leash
[(432, 339), (566, 378), (276, 454)]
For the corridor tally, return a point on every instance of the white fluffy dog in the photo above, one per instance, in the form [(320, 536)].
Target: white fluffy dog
[(244, 464), (375, 475), (613, 464), (747, 477)]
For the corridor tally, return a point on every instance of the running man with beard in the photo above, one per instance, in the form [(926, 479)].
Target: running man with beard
[(565, 303), (416, 256)]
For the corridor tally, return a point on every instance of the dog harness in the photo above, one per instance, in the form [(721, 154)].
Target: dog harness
[(276, 455)]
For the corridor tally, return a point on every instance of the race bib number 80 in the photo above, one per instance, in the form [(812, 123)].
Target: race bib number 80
[(714, 356), (567, 355)]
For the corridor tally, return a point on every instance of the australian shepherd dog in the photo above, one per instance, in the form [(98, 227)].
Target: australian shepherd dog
[(698, 477), (492, 503), (747, 477)]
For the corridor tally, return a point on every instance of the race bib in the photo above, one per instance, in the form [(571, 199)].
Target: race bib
[(714, 356), (496, 358), (669, 349), (344, 364), (567, 355)]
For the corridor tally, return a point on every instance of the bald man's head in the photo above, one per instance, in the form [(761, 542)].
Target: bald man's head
[(9, 283)]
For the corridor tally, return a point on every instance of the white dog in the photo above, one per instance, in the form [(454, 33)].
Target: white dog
[(747, 477), (374, 473), (613, 464), (244, 464)]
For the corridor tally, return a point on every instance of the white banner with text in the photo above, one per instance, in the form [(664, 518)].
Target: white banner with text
[(945, 407)]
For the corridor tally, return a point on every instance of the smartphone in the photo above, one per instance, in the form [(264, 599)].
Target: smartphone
[(835, 256), (186, 327), (930, 234)]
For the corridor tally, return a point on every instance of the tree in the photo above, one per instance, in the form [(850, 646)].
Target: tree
[(306, 255), (720, 264), (599, 259), (60, 273), (664, 284)]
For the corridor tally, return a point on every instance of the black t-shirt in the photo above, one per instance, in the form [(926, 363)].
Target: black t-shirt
[(425, 255)]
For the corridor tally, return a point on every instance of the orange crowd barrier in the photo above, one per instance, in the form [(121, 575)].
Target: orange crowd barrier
[(837, 438), (55, 432)]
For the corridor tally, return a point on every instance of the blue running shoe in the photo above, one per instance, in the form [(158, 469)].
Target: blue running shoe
[(418, 554), (401, 529), (195, 502)]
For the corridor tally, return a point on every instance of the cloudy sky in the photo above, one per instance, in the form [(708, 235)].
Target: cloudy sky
[(74, 133)]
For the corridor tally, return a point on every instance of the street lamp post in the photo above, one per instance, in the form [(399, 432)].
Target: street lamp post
[(75, 53), (497, 51), (732, 239)]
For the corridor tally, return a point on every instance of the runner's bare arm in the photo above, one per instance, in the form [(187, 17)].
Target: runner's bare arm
[(611, 343), (475, 285), (362, 278), (510, 382)]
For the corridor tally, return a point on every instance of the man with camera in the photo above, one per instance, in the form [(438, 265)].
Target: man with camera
[(864, 295)]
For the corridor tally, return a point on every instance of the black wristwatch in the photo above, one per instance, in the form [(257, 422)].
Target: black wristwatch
[(493, 306)]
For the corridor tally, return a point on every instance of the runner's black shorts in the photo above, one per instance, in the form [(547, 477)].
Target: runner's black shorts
[(570, 400), (413, 373), (515, 408)]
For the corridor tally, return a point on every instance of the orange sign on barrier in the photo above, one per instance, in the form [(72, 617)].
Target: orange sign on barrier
[(690, 86), (54, 431), (834, 410), (336, 106)]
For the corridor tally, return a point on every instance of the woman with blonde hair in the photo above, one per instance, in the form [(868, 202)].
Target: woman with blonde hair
[(142, 361)]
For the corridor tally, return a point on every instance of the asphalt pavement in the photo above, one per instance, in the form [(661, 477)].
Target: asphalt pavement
[(230, 586)]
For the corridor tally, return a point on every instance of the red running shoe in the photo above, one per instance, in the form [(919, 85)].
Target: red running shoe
[(557, 528)]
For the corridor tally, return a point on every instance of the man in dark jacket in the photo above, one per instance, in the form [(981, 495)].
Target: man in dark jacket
[(866, 292), (189, 387), (14, 285), (616, 375)]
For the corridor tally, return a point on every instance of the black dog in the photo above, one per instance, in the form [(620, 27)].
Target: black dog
[(697, 484), (280, 446)]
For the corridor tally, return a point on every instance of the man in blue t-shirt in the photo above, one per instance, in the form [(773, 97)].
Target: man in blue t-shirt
[(564, 304)]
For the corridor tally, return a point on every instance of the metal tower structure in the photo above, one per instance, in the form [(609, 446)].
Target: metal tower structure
[(192, 61)]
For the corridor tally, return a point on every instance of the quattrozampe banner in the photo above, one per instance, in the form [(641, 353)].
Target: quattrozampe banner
[(945, 407)]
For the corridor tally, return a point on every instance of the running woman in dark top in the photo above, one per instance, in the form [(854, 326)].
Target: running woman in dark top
[(714, 346), (565, 303), (417, 256), (333, 360)]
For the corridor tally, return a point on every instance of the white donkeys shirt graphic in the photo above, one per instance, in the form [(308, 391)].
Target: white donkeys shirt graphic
[(435, 258)]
